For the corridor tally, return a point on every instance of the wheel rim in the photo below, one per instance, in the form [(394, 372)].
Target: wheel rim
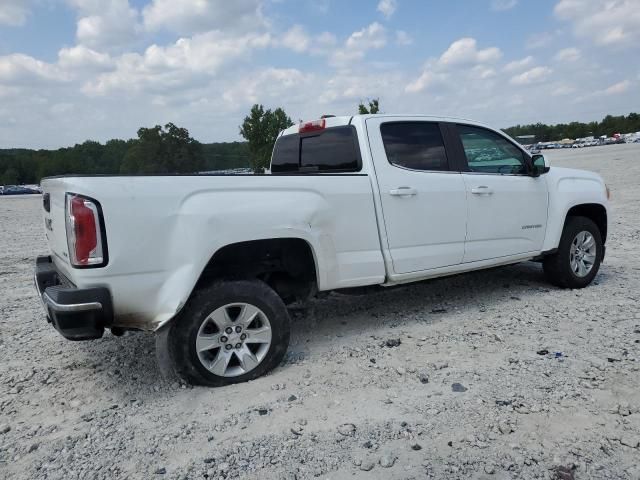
[(233, 339), (582, 254)]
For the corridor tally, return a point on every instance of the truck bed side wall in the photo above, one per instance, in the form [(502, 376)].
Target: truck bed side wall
[(162, 231)]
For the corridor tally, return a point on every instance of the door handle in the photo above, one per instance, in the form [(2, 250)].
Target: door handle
[(403, 192), (481, 190)]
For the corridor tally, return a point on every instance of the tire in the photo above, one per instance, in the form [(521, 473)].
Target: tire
[(250, 305), (558, 267)]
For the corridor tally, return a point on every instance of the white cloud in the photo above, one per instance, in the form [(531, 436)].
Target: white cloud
[(370, 38), (374, 36), (14, 13), (161, 68), (463, 59), (501, 5), (403, 38), (562, 89), (517, 65), (324, 42), (605, 22), (568, 55), (342, 91), (464, 51), (387, 7), (618, 88), (420, 83), (535, 75), (296, 39), (299, 40), (80, 57), (105, 24), (482, 72), (186, 17), (265, 86), (18, 69)]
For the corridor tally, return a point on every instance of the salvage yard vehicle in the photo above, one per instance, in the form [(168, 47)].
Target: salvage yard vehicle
[(210, 262)]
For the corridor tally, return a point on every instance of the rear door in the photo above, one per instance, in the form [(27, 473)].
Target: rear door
[(507, 207), (422, 194)]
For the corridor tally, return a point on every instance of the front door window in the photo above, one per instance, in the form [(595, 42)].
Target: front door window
[(488, 152)]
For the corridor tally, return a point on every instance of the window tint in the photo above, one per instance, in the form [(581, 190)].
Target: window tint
[(285, 154), (334, 150), (489, 152), (414, 145)]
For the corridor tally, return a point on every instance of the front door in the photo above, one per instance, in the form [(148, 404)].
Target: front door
[(507, 207), (423, 200)]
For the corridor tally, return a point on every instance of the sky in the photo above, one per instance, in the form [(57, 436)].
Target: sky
[(73, 70)]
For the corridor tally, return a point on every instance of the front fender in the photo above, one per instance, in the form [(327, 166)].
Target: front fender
[(569, 188)]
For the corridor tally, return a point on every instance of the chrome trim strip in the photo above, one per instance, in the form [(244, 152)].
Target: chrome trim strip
[(73, 307)]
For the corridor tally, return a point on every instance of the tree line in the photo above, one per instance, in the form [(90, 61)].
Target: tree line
[(170, 149), (608, 126)]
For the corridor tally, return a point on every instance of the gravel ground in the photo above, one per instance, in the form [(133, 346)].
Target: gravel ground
[(445, 379)]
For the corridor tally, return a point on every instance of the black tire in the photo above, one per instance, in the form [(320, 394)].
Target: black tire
[(180, 337), (557, 267)]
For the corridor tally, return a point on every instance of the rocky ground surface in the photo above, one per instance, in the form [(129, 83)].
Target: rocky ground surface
[(492, 374)]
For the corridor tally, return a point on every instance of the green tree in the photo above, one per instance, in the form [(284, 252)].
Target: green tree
[(163, 150), (374, 107), (10, 177), (261, 128), (224, 156)]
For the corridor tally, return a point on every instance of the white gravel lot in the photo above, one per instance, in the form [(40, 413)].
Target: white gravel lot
[(344, 405)]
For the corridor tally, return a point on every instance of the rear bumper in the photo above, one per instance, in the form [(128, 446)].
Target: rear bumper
[(77, 313)]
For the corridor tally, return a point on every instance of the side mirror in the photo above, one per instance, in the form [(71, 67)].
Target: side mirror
[(540, 164)]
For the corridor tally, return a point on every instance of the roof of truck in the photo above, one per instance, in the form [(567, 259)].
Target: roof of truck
[(337, 121)]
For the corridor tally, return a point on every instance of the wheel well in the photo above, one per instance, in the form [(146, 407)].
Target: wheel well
[(285, 264), (593, 211)]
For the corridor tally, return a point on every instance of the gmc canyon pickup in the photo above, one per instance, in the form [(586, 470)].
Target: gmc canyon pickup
[(209, 262)]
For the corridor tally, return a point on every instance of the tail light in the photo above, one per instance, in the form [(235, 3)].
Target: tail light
[(84, 232)]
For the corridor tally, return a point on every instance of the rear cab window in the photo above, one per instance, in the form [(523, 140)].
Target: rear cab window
[(332, 150)]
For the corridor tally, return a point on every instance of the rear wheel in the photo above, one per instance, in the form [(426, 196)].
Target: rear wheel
[(229, 332), (577, 261)]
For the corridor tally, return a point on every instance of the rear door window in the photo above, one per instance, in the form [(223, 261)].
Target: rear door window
[(332, 150), (414, 145)]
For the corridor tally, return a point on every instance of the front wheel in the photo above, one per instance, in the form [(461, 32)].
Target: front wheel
[(229, 332), (577, 261)]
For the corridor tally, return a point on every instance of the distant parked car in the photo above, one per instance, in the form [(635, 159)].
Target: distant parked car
[(18, 190)]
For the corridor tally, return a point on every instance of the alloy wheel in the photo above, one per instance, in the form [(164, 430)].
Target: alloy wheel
[(233, 339)]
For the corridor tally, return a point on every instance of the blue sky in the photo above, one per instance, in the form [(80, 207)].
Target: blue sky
[(72, 70)]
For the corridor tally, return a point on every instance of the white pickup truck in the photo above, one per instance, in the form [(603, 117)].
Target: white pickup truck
[(209, 262)]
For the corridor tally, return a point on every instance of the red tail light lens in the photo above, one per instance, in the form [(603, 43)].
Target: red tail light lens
[(313, 126), (84, 236)]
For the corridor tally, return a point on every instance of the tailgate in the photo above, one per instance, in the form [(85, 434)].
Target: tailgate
[(53, 210)]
